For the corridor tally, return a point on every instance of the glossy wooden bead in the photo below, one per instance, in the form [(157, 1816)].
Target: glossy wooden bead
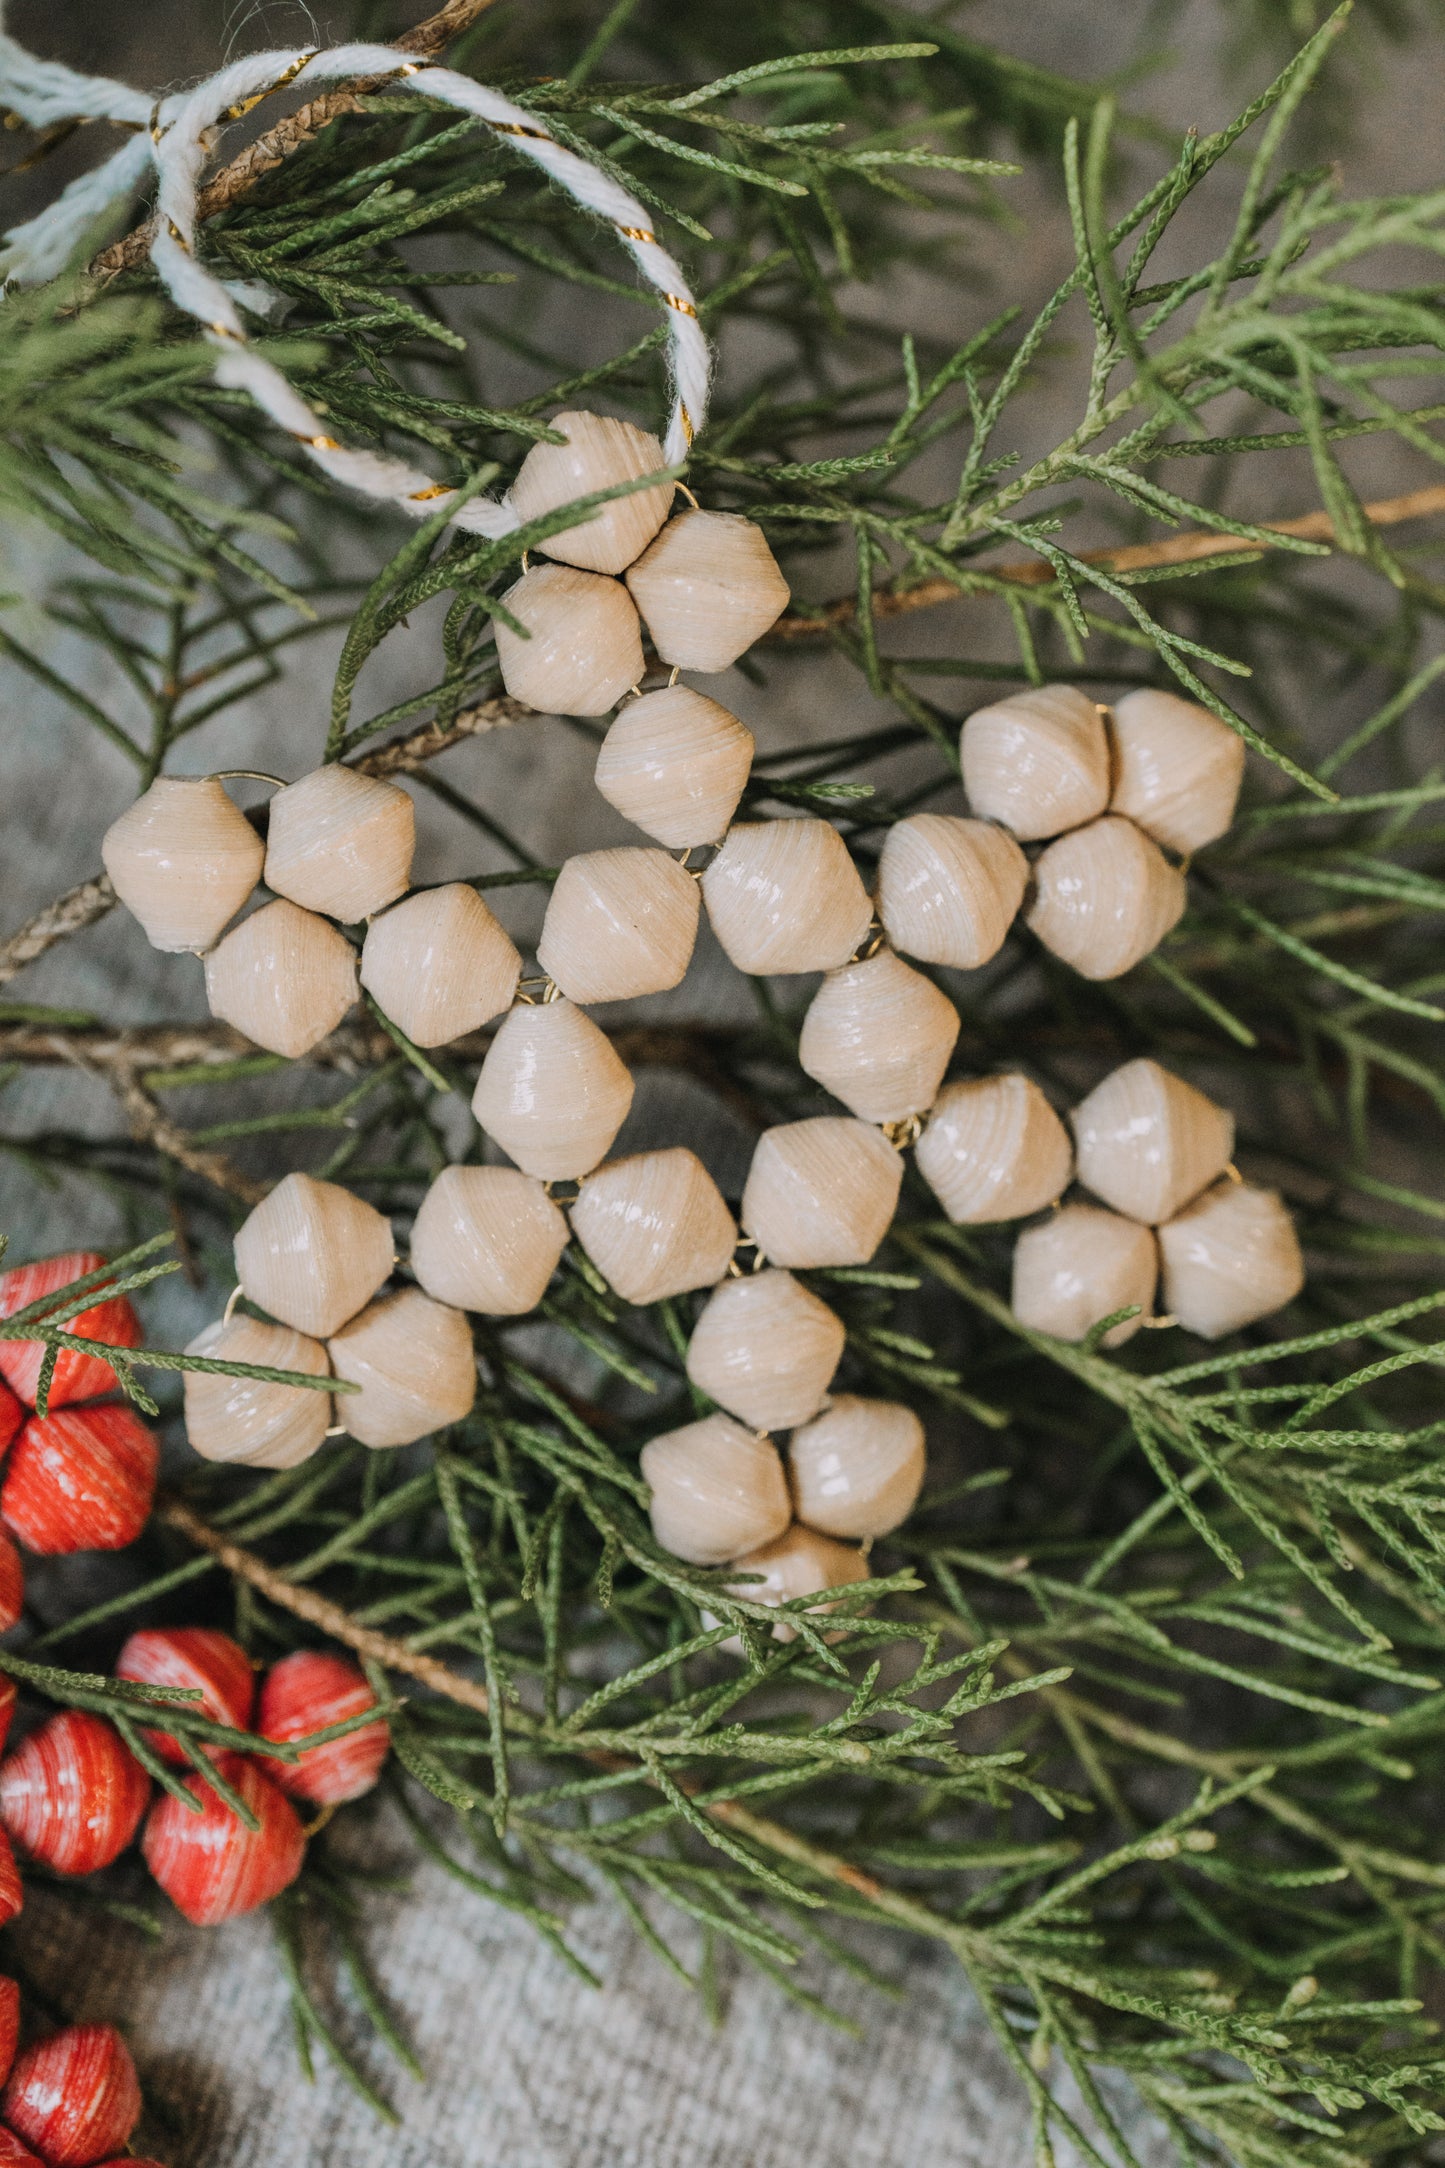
[(619, 923), (12, 1589), (599, 453), (284, 978), (1104, 897), (1147, 1142), (675, 763), (75, 2096), (552, 1091), (1177, 768), (1037, 761), (255, 1422), (210, 1865), (183, 859), (707, 588), (80, 1480), (1230, 1257), (199, 1658), (414, 1361), (800, 1563), (1082, 1265), (309, 1692), (655, 1225), (949, 889), (785, 896), (583, 644), (72, 1794), (878, 1035), (857, 1468), (77, 1376), (312, 1253), (439, 964), (765, 1348), (993, 1149), (821, 1192), (340, 843), (487, 1239), (717, 1489)]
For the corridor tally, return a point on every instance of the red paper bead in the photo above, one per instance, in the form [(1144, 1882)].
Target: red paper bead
[(12, 1414), (9, 2024), (12, 1586), (7, 1708), (72, 1794), (15, 2153), (209, 1864), (194, 1656), (12, 1890), (77, 1377), (308, 1692), (75, 2097), (82, 1480)]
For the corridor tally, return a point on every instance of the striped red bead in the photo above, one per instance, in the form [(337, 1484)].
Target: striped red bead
[(309, 1692), (9, 2024), (77, 1376), (15, 2153), (80, 1480), (7, 1709), (72, 1794), (12, 1890), (209, 1864), (75, 2097), (192, 1656), (12, 1586), (12, 1415)]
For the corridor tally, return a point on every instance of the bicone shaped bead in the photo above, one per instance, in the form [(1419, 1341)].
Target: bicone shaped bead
[(583, 647), (1104, 897), (12, 1593), (309, 1692), (619, 923), (255, 1422), (439, 964), (283, 977), (599, 453), (197, 1657), (312, 1253), (1037, 761), (1230, 1257), (1080, 1266), (857, 1468), (821, 1192), (72, 1794), (487, 1239), (75, 2096), (949, 889), (993, 1149), (800, 1563), (77, 1376), (707, 588), (675, 763), (210, 1865), (878, 1035), (1177, 768), (340, 843), (414, 1361), (655, 1225), (765, 1348), (552, 1091), (786, 896), (80, 1480), (1147, 1142), (183, 859), (717, 1489)]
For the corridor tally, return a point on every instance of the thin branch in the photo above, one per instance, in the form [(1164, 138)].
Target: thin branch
[(70, 913)]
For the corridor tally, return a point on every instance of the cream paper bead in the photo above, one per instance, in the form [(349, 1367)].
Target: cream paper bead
[(1038, 761), (439, 964), (619, 923), (1147, 1142), (821, 1192), (675, 763), (487, 1239), (341, 843), (253, 1421), (1177, 768), (765, 1349), (717, 1489), (283, 977), (585, 644), (949, 889), (707, 588), (994, 1149), (878, 1036), (599, 453), (785, 896), (1080, 1266), (312, 1254), (655, 1225), (414, 1362), (857, 1468), (183, 859), (801, 1563), (1230, 1257), (1104, 897), (552, 1091)]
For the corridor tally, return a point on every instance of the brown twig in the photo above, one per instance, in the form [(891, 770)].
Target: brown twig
[(149, 1125), (70, 913)]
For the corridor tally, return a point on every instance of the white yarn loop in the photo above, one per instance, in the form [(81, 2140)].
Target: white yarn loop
[(176, 136)]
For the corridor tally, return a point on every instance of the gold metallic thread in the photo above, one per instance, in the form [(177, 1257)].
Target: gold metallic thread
[(246, 105), (424, 496), (679, 302)]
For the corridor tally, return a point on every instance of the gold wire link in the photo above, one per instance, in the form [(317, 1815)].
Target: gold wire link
[(514, 128), (177, 236), (904, 1132), (424, 496), (637, 233), (1157, 1324), (684, 491), (686, 419)]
